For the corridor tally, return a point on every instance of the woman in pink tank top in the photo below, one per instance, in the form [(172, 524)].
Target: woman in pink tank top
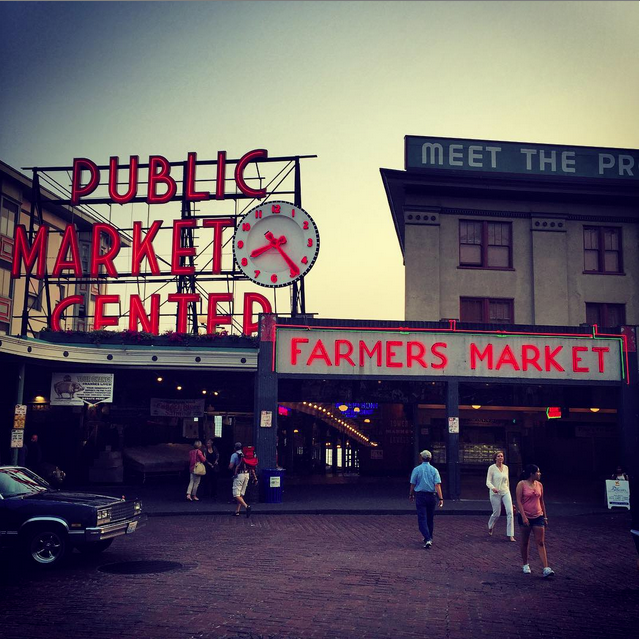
[(532, 515)]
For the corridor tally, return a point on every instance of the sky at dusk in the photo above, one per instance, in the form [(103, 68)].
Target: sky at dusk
[(345, 81)]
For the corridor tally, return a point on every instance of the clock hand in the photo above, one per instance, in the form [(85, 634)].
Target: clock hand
[(272, 244), (276, 242), (261, 250)]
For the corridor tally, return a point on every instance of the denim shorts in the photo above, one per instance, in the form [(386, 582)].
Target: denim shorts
[(533, 521)]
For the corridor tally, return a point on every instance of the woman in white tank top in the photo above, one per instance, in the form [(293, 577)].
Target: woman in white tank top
[(498, 485)]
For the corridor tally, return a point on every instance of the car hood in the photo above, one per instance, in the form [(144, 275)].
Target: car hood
[(85, 499)]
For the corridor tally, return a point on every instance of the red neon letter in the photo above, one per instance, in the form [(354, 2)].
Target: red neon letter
[(143, 248), (221, 174), (190, 194), (77, 191), (239, 173), (390, 352), (476, 354), (345, 356), (376, 350), (150, 323), (179, 251), (60, 308), (100, 318), (417, 357), (160, 177), (248, 326), (549, 360), (530, 359), (441, 356), (319, 352), (601, 350), (576, 359), (213, 319), (507, 358), (113, 179), (21, 251), (69, 241), (295, 351), (217, 225), (107, 259), (183, 300)]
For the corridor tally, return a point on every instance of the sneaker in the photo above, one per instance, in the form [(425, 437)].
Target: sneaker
[(547, 572), (526, 569), (428, 544)]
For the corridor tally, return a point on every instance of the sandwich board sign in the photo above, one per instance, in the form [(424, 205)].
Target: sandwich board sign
[(617, 493)]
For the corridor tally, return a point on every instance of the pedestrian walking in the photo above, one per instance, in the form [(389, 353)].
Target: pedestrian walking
[(210, 480), (241, 473), (196, 457), (532, 516), (499, 493), (426, 489)]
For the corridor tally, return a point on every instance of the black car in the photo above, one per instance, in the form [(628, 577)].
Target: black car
[(47, 523)]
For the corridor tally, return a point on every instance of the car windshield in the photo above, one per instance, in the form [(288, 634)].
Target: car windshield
[(20, 481)]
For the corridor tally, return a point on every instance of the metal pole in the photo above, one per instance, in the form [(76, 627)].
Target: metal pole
[(19, 400)]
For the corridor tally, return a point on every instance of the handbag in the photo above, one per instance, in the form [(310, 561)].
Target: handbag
[(199, 469)]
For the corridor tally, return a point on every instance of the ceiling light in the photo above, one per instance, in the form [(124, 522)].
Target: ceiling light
[(159, 379), (594, 410), (343, 407), (476, 406), (178, 387), (204, 392)]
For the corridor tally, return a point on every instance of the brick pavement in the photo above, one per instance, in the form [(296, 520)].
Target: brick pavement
[(299, 576)]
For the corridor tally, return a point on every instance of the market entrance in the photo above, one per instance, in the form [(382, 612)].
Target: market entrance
[(559, 400)]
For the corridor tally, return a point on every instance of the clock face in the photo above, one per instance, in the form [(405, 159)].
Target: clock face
[(276, 243)]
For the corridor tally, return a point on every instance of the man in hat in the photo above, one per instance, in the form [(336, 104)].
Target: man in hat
[(241, 472), (426, 489)]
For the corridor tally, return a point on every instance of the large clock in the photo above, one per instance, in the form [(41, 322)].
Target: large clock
[(276, 243)]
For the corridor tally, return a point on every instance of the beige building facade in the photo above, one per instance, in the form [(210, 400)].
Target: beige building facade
[(498, 247)]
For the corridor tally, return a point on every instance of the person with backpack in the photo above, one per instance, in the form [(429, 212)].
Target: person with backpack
[(242, 464)]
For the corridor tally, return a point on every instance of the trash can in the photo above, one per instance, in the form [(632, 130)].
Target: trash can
[(272, 485)]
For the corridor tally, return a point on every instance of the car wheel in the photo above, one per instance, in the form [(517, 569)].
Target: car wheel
[(47, 546), (95, 547)]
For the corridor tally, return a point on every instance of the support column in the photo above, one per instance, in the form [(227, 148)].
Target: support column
[(266, 396), (628, 428), (19, 400), (453, 442)]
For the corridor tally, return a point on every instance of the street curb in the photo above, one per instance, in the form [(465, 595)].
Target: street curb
[(329, 511)]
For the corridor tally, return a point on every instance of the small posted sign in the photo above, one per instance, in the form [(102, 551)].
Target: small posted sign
[(454, 424), (17, 438), (20, 416), (617, 494), (265, 419)]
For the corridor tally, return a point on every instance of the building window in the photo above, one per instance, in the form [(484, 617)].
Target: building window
[(602, 249), (606, 315), (5, 283), (8, 217), (486, 310), (485, 244)]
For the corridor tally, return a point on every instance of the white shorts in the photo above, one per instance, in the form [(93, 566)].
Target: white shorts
[(240, 482)]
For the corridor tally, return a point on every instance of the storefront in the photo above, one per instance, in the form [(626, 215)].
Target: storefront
[(379, 392)]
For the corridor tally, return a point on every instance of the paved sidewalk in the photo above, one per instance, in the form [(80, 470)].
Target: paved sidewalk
[(374, 496), (331, 576)]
